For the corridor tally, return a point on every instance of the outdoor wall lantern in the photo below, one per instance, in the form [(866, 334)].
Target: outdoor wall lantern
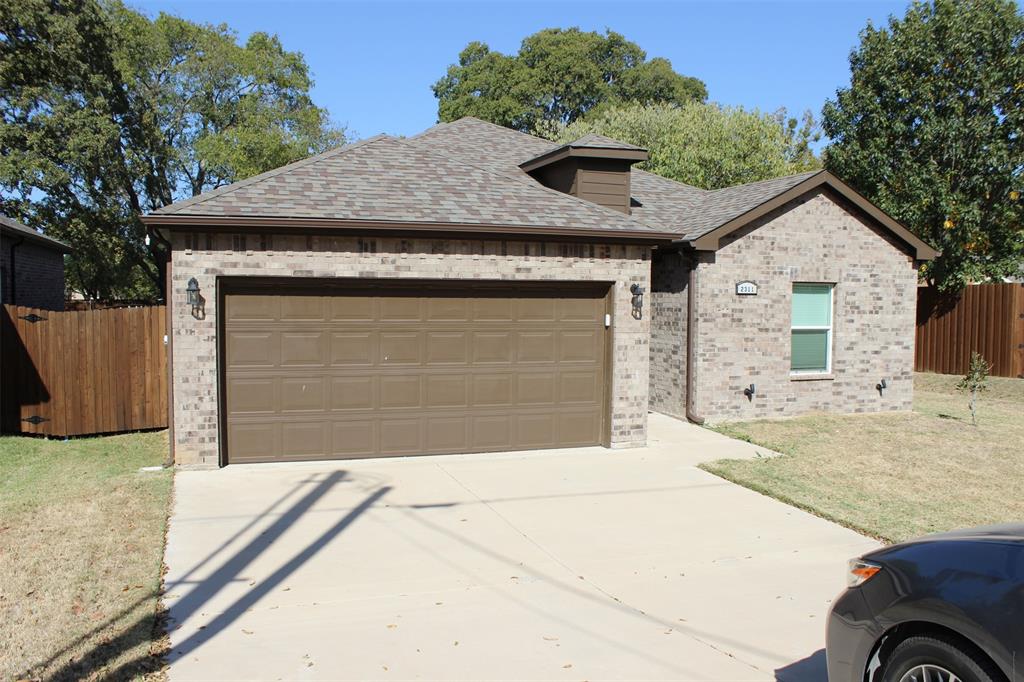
[(195, 299), (881, 386), (750, 391), (637, 300)]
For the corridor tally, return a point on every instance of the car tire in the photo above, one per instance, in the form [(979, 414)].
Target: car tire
[(936, 650)]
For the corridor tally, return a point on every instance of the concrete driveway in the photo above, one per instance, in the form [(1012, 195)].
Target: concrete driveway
[(582, 564)]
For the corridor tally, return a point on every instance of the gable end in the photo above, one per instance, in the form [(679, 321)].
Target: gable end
[(710, 240)]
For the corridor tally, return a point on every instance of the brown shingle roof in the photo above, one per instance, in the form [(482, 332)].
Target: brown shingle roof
[(664, 202), (13, 227), (488, 145), (772, 194), (689, 212), (718, 207), (468, 172), (388, 180)]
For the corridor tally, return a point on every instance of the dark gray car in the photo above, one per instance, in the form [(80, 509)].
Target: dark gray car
[(941, 608)]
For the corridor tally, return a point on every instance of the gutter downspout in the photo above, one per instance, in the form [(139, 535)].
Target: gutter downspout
[(14, 277), (691, 415)]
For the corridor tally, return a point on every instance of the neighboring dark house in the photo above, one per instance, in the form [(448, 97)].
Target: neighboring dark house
[(475, 289), (31, 267)]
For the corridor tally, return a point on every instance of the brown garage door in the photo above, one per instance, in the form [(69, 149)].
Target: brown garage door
[(362, 372)]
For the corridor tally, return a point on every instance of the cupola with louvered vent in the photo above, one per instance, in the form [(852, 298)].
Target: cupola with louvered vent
[(594, 168)]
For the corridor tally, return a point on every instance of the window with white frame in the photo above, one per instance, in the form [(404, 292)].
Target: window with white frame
[(811, 334)]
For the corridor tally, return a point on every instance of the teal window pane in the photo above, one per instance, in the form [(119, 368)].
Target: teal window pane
[(810, 350), (812, 305)]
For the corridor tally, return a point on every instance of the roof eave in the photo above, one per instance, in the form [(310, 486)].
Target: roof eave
[(40, 239), (709, 241), (180, 221)]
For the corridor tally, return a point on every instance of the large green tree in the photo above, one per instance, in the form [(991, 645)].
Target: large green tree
[(108, 114), (930, 129), (558, 75), (705, 145)]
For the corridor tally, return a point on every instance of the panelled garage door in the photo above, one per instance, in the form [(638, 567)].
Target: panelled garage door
[(332, 373)]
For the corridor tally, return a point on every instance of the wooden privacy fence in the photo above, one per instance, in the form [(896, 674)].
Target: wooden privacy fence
[(987, 318), (74, 373)]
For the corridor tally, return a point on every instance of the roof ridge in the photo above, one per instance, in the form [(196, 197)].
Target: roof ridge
[(433, 152), (273, 172), (758, 182), (439, 126), (536, 185), (498, 125), (436, 126)]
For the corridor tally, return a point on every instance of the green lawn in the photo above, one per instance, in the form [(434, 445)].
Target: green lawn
[(896, 476), (81, 551)]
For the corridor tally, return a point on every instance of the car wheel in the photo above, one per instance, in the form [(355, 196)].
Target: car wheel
[(935, 659)]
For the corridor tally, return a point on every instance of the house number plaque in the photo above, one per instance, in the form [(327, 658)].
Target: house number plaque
[(746, 288)]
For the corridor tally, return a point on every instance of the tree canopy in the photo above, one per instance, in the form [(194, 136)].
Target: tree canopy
[(930, 130), (558, 75), (705, 145), (107, 114)]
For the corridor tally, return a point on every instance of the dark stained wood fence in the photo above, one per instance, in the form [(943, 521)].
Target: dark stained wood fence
[(987, 318), (75, 373)]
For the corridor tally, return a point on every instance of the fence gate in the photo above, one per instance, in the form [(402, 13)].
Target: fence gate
[(75, 373)]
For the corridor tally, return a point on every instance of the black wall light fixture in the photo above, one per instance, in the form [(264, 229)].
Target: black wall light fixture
[(637, 300), (881, 386), (195, 299), (749, 392)]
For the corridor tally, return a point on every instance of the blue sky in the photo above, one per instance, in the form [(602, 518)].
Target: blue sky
[(374, 62)]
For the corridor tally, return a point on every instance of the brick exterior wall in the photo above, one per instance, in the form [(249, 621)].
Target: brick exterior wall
[(209, 256), (669, 280), (746, 339), (39, 272)]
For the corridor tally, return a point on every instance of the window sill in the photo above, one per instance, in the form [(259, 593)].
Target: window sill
[(812, 377)]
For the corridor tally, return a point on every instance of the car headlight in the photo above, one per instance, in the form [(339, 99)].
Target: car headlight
[(860, 571)]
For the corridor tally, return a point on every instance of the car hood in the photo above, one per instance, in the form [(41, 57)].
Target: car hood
[(1006, 533)]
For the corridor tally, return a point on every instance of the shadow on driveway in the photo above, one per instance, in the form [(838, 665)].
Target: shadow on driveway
[(106, 652), (810, 669)]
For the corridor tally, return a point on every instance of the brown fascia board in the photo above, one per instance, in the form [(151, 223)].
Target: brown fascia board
[(227, 223), (631, 155), (710, 240)]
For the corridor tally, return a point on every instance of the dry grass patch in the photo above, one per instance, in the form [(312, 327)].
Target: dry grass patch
[(81, 551), (896, 476)]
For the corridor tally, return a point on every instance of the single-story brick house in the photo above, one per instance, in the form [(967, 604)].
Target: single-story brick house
[(31, 267), (474, 289)]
